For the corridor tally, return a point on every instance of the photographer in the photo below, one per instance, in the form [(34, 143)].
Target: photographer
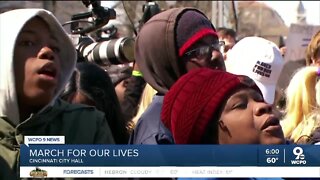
[(113, 50), (127, 80), (136, 83)]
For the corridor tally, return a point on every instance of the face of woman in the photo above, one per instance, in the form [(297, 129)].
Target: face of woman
[(247, 119)]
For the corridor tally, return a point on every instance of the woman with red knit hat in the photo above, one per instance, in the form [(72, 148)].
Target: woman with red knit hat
[(208, 106)]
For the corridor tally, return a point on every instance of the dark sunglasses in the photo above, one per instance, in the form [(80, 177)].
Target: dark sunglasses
[(205, 51)]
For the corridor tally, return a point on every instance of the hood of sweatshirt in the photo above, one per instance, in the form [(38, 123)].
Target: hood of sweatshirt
[(11, 23), (156, 50)]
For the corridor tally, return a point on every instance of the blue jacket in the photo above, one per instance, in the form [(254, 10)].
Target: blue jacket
[(150, 129)]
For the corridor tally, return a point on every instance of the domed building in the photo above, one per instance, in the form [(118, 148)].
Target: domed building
[(258, 19)]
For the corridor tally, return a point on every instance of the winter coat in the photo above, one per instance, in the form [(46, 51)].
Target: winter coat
[(78, 123), (156, 54)]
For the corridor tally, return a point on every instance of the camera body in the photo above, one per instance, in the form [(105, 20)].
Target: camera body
[(102, 51)]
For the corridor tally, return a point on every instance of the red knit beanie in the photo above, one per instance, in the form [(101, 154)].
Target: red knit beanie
[(194, 99), (192, 26)]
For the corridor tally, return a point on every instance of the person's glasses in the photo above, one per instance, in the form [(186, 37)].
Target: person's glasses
[(205, 51)]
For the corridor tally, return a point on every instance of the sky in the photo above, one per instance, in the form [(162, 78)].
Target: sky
[(288, 10)]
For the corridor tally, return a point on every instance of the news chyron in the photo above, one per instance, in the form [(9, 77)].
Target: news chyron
[(50, 157)]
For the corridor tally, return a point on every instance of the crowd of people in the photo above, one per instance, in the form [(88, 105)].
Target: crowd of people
[(191, 83)]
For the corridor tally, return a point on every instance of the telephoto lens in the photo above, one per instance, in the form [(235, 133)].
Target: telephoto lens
[(114, 51)]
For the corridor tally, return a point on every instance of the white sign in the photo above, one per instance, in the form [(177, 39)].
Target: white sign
[(298, 39)]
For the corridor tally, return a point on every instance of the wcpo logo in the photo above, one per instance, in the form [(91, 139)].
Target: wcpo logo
[(38, 173), (298, 152)]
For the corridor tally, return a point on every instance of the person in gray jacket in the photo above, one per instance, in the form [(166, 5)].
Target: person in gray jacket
[(37, 59), (169, 45)]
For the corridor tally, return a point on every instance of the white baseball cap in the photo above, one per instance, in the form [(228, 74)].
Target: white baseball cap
[(259, 59)]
